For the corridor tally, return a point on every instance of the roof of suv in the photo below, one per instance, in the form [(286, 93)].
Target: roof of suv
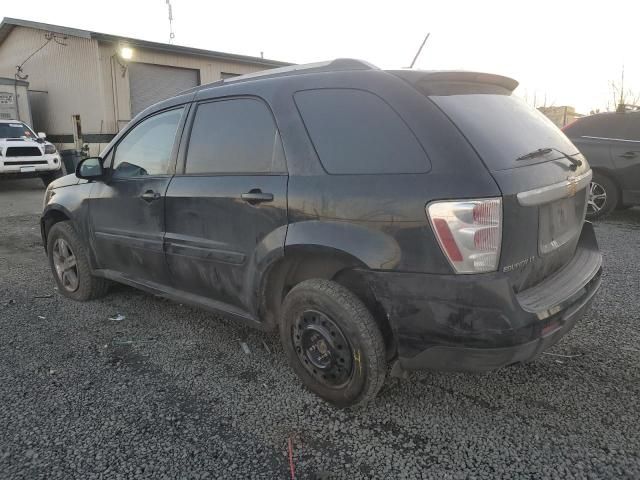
[(350, 64)]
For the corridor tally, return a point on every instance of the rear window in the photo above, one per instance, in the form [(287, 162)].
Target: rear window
[(356, 132), (608, 125), (502, 127)]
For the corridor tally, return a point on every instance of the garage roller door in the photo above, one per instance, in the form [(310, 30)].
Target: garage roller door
[(152, 83)]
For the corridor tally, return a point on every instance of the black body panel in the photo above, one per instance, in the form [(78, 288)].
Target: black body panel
[(215, 239), (460, 315)]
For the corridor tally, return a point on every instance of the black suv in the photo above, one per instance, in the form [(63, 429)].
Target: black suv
[(611, 143), (418, 219)]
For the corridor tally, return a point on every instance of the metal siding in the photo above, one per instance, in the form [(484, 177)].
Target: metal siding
[(85, 78), (149, 84), (112, 74), (68, 73)]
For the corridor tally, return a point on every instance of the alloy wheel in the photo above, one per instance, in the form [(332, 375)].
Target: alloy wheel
[(322, 348), (66, 265), (597, 198)]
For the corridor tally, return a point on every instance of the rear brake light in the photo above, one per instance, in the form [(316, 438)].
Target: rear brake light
[(469, 232)]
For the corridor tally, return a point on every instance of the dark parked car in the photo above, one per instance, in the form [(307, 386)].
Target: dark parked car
[(611, 143), (419, 219)]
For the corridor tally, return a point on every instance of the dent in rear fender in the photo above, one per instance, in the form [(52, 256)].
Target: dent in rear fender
[(372, 247)]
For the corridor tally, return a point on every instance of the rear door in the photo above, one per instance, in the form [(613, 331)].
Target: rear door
[(127, 210), (625, 152), (227, 205)]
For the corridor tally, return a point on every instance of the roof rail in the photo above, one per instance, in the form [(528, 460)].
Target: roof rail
[(337, 65)]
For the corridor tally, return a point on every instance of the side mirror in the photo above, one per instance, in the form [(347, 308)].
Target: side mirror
[(42, 135), (90, 168)]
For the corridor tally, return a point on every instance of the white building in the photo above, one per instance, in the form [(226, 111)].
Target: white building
[(84, 86)]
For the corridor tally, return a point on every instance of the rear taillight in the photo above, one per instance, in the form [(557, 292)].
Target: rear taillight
[(469, 232)]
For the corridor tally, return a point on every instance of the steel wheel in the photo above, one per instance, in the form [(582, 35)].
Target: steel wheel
[(66, 265), (597, 198), (322, 348)]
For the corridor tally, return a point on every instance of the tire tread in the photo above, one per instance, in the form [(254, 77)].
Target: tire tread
[(367, 326), (94, 287)]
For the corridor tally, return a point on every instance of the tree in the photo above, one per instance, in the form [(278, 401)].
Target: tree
[(622, 97)]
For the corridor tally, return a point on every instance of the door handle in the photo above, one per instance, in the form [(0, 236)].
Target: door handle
[(149, 196), (256, 196), (629, 155)]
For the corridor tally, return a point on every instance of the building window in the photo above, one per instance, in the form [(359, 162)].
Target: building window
[(224, 75)]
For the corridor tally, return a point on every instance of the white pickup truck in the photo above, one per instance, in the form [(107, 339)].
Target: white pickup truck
[(23, 154)]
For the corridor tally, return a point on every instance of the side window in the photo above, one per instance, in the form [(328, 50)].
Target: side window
[(356, 132), (146, 149), (234, 136)]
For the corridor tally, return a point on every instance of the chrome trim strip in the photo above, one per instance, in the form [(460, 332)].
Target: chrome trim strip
[(559, 190), (608, 138)]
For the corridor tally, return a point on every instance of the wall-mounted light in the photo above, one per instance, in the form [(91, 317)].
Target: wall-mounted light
[(126, 53), (122, 56)]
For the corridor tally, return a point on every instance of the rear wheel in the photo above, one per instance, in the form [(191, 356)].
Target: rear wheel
[(603, 197), (333, 343), (70, 264)]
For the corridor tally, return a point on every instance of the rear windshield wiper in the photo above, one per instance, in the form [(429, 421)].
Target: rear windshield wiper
[(575, 163)]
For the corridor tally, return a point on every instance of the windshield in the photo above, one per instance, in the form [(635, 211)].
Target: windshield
[(16, 130), (503, 128)]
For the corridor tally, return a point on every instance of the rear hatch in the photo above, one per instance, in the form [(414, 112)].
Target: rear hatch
[(544, 192)]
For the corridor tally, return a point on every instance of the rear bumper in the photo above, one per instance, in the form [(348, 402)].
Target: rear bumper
[(477, 322)]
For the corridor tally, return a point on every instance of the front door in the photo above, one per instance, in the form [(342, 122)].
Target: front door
[(227, 208), (127, 210)]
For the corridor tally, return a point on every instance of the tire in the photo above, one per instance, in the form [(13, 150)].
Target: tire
[(603, 197), (49, 177), (324, 323), (61, 240)]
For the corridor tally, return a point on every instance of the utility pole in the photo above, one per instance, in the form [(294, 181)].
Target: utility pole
[(171, 34), (419, 50), (621, 102)]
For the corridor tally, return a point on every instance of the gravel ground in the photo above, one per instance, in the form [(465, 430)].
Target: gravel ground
[(168, 392)]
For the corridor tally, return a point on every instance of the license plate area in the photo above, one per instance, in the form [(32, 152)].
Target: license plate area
[(27, 169), (560, 222)]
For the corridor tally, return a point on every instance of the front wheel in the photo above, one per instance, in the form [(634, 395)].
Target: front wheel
[(603, 197), (70, 264), (333, 343)]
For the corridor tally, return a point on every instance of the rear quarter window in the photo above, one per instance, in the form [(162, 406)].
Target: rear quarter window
[(356, 132)]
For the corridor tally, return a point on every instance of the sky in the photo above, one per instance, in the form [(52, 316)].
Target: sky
[(563, 52)]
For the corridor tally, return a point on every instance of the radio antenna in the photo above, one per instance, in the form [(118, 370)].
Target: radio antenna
[(171, 34), (417, 54)]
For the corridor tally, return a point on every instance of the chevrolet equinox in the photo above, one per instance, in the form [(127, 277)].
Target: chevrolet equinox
[(411, 219)]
